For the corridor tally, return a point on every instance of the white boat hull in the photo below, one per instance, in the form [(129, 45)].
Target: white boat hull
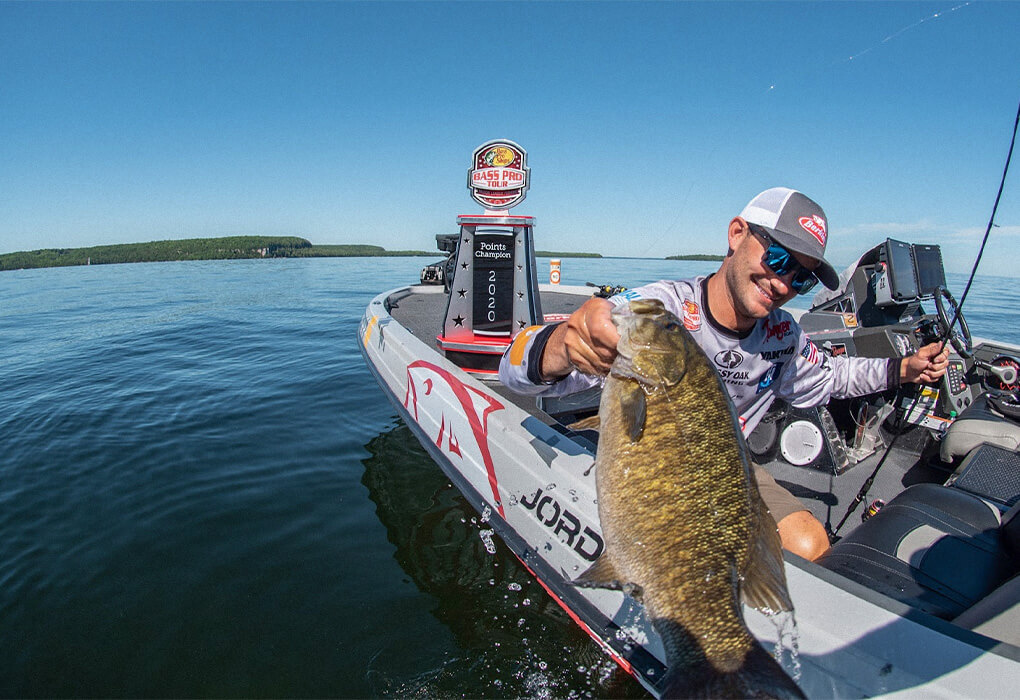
[(535, 487)]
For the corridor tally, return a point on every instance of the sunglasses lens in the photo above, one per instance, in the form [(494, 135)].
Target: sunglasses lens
[(804, 281), (782, 262), (779, 260)]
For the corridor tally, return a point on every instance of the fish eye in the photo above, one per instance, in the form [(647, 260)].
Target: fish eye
[(672, 325)]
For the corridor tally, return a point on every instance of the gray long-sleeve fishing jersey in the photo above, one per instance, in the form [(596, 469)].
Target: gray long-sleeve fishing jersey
[(775, 359)]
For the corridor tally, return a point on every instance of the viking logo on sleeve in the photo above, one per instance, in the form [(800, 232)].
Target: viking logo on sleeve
[(624, 297), (769, 377)]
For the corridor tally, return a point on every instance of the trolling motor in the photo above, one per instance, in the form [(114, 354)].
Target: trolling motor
[(441, 272)]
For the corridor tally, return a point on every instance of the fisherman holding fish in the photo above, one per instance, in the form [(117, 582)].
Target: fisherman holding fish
[(776, 251)]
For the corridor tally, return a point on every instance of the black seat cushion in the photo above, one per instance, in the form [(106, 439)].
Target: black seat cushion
[(935, 548)]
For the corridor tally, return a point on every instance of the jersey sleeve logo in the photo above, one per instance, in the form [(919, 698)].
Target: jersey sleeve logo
[(692, 315), (770, 376), (624, 297), (810, 353)]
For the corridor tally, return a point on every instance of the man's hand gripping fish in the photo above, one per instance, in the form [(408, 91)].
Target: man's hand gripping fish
[(684, 525)]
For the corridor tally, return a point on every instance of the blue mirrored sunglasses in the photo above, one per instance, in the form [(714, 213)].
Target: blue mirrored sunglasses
[(781, 262)]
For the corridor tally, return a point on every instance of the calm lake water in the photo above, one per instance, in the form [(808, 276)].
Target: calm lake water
[(204, 493)]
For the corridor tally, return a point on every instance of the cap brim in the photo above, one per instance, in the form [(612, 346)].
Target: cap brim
[(825, 273)]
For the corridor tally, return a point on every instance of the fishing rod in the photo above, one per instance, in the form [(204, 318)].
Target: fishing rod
[(946, 334), (991, 222), (866, 486)]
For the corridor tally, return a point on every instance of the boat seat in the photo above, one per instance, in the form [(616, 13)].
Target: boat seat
[(935, 548), (997, 615), (977, 425)]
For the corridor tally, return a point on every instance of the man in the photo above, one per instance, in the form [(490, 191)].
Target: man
[(776, 250)]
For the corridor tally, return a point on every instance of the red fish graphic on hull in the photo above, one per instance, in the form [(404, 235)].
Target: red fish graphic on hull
[(462, 413)]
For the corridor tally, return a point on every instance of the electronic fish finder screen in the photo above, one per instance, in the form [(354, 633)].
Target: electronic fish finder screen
[(900, 263), (930, 273)]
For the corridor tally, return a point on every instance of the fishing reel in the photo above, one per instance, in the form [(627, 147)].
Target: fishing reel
[(606, 290)]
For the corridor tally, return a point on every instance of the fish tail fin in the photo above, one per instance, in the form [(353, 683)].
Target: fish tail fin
[(759, 677), (764, 574)]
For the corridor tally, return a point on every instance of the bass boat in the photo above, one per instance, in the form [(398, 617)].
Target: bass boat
[(920, 592)]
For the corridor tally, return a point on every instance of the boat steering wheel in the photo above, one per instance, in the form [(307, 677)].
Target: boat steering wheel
[(960, 339)]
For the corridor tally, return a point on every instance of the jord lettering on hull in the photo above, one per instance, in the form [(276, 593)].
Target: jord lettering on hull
[(565, 525)]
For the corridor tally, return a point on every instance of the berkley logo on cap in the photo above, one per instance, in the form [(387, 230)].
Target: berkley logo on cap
[(815, 225), (499, 176)]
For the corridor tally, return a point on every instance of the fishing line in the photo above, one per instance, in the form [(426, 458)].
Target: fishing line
[(988, 230), (863, 492), (894, 35)]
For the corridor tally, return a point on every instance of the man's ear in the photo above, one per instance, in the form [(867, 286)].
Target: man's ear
[(737, 231)]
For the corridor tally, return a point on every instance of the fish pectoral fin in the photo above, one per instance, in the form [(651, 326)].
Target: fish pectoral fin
[(589, 423), (633, 409), (601, 574), (764, 578), (634, 591)]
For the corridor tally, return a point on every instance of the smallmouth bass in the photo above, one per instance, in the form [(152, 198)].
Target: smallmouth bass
[(684, 525)]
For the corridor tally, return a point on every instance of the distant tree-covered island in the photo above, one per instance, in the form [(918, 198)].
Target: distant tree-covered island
[(698, 257), (550, 254), (227, 248)]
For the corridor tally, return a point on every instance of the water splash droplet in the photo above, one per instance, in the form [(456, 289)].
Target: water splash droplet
[(486, 536), (787, 649)]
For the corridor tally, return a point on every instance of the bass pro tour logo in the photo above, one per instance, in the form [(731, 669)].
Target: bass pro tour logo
[(499, 176)]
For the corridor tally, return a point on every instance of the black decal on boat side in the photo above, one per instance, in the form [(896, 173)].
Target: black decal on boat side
[(534, 500), (565, 525), (572, 530), (596, 538), (556, 513)]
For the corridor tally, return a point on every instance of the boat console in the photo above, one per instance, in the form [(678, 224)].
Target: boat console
[(877, 312)]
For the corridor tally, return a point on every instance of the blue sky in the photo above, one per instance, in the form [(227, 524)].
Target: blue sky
[(648, 125)]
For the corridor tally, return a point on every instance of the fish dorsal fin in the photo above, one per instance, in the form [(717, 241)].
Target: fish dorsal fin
[(589, 423), (633, 409), (764, 578)]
